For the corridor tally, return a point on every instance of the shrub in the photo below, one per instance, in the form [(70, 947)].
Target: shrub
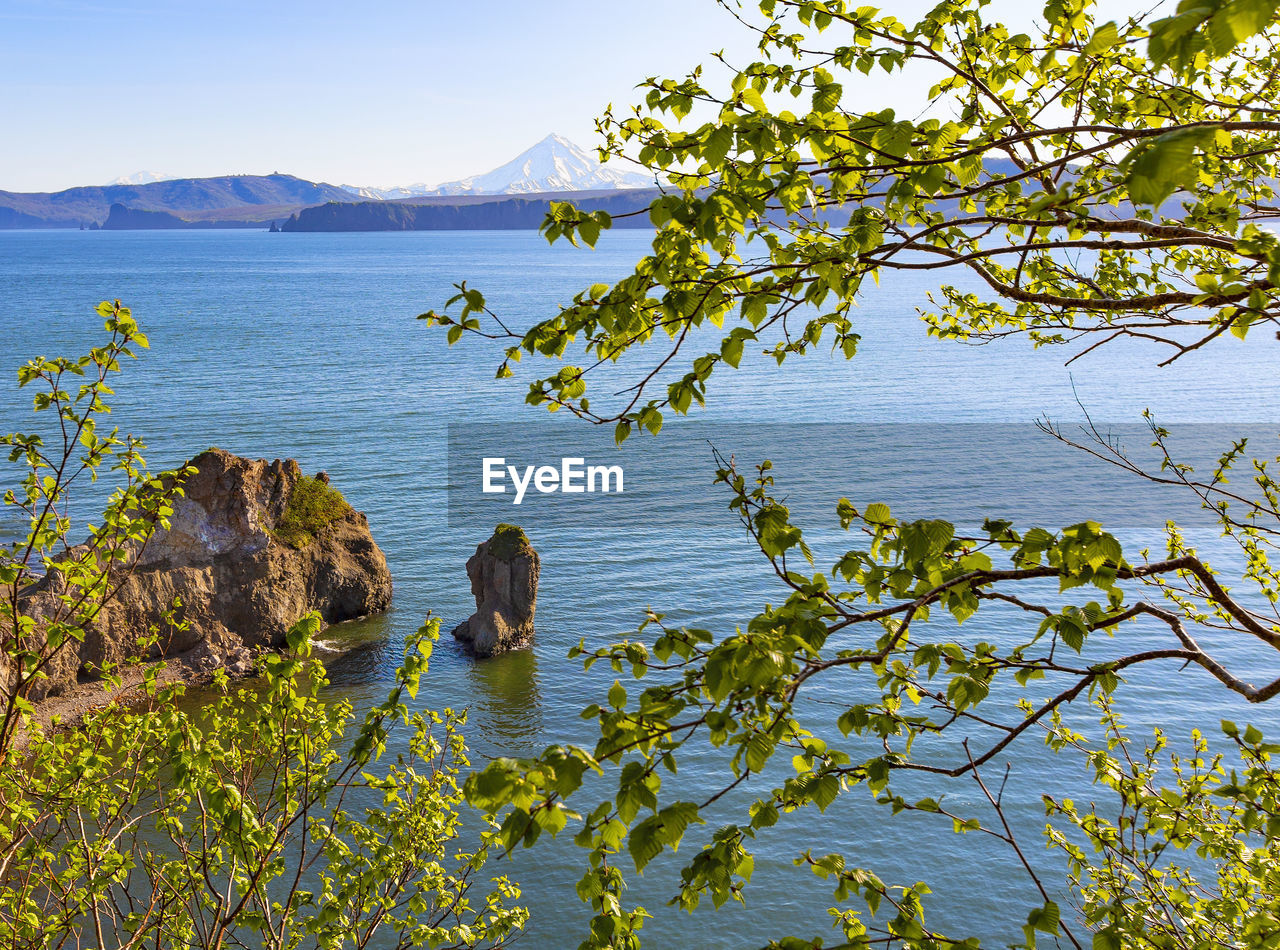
[(313, 505), (508, 541)]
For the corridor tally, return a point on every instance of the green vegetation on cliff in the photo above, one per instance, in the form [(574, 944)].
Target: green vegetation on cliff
[(313, 505), (508, 540)]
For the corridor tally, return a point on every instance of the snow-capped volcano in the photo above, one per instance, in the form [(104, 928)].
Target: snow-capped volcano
[(554, 164)]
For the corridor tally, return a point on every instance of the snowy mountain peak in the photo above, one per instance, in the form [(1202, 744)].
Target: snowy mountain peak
[(140, 178), (554, 164), (387, 194)]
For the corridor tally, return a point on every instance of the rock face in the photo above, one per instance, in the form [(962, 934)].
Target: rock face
[(504, 581), (241, 586), (465, 212)]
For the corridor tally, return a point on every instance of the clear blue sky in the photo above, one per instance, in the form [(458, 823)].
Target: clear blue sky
[(373, 93)]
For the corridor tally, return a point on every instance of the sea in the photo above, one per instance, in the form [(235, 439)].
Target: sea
[(307, 346)]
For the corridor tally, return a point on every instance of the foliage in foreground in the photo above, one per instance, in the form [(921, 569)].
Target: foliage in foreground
[(1135, 869), (263, 817), (84, 575), (899, 620), (1094, 181), (249, 821)]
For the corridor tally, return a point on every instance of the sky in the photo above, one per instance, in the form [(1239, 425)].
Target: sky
[(373, 93)]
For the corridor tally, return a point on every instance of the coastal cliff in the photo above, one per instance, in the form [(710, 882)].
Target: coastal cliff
[(251, 547), (462, 213), (121, 218)]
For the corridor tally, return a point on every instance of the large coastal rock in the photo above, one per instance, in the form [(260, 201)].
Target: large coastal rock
[(251, 547), (504, 581)]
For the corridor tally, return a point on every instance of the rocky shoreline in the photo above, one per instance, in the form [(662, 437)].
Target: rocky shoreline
[(251, 547)]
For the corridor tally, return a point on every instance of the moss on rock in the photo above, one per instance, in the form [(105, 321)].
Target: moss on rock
[(313, 505), (508, 541)]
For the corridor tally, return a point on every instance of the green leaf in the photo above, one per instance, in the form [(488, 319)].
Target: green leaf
[(1158, 169), (1046, 919), (878, 514), (617, 695), (1104, 38), (751, 98), (758, 750)]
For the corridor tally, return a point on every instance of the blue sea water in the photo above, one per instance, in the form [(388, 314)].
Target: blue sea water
[(306, 346)]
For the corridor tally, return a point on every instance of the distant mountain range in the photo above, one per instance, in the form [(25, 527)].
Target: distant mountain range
[(516, 195), (243, 200), (148, 200)]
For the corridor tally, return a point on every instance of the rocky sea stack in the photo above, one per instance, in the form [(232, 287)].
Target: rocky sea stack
[(251, 547), (504, 581)]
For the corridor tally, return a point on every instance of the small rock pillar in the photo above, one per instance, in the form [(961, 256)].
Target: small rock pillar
[(504, 582)]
